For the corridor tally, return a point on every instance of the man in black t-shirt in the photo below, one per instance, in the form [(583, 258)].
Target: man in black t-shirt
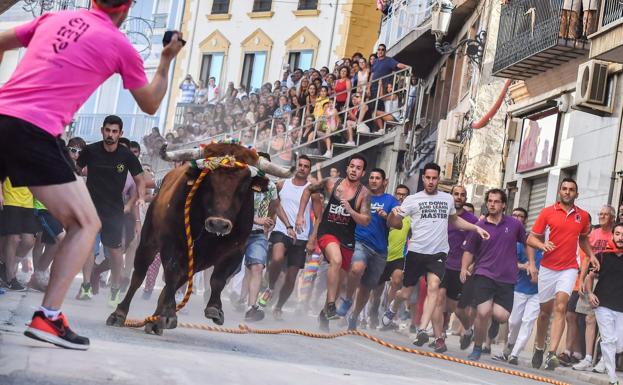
[(107, 165), (608, 301)]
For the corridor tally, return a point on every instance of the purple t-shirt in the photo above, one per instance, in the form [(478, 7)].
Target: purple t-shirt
[(496, 258), (456, 237)]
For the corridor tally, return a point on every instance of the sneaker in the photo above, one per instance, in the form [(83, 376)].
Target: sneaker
[(440, 345), (55, 332), (537, 358), (421, 338), (513, 360), (466, 339), (388, 318), (352, 323), (600, 367), (564, 359), (344, 307), (254, 314), (500, 357), (323, 322), (328, 154), (115, 297), (3, 272), (508, 350), (265, 298), (351, 143), (475, 354), (330, 311), (583, 366), (432, 343), (486, 350), (85, 292), (551, 362), (36, 282), (14, 285), (2, 291)]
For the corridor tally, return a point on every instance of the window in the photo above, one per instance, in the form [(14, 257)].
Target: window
[(262, 5), (163, 6), (300, 59), (211, 65), (307, 5), (220, 7), (253, 70)]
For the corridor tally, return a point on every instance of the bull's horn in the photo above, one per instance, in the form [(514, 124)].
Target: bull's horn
[(181, 155), (273, 169)]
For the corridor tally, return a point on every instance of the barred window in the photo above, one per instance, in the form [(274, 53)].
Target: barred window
[(220, 7), (262, 5), (307, 5)]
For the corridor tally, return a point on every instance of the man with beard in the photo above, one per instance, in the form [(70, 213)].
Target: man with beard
[(108, 165)]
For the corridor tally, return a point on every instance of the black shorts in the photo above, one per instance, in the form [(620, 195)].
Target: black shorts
[(32, 157), (417, 265), (390, 267), (467, 295), (112, 230), (18, 220), (295, 251), (51, 226), (486, 289), (573, 301), (453, 285), (129, 222)]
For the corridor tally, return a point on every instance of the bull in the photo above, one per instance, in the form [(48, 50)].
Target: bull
[(221, 218)]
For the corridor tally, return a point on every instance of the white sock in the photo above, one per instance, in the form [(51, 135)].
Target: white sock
[(577, 355), (588, 358), (568, 352), (51, 314)]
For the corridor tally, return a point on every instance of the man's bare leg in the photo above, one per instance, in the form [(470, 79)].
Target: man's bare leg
[(334, 256)]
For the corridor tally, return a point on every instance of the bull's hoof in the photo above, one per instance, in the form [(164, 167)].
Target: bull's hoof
[(168, 322), (215, 314), (153, 327), (116, 319)]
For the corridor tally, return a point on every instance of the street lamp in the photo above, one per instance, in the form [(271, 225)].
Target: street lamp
[(441, 15)]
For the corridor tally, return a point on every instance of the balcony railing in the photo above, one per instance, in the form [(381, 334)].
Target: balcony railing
[(537, 35), (404, 16), (612, 12), (135, 126)]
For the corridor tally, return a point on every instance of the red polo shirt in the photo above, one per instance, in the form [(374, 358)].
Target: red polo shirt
[(565, 229)]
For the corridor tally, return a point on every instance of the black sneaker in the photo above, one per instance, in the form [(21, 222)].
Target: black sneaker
[(14, 285), (55, 332), (500, 357), (330, 311), (486, 350), (254, 314), (513, 360), (466, 338), (421, 338), (3, 272), (537, 358), (323, 322)]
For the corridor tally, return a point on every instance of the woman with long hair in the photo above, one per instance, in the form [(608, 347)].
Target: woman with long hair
[(250, 115), (311, 99), (362, 77), (342, 88)]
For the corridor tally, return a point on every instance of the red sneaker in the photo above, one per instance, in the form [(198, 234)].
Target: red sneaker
[(55, 332)]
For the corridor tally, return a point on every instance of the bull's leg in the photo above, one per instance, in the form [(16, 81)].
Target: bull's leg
[(145, 255), (174, 277), (222, 272)]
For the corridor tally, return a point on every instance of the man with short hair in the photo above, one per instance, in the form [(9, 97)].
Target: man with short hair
[(382, 67), (348, 205), (108, 165), (188, 87), (370, 254), (431, 211), (495, 266), (569, 226), (213, 91)]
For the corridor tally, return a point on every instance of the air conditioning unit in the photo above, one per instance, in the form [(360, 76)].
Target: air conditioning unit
[(455, 120), (594, 88)]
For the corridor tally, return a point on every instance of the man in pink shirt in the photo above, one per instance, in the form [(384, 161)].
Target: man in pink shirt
[(69, 55)]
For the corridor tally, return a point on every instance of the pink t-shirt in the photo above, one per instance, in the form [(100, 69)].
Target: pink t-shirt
[(69, 55)]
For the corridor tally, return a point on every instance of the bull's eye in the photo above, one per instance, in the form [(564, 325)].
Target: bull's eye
[(190, 182)]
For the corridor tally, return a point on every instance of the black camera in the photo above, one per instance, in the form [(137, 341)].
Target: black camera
[(168, 35)]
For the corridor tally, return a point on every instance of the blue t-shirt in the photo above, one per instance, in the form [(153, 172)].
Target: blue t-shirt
[(375, 234), (524, 285), (382, 68)]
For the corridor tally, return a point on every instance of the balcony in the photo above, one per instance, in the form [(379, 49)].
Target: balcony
[(135, 126), (607, 43), (535, 36), (6, 4)]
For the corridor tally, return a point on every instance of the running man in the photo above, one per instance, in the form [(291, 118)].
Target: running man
[(431, 211), (569, 227), (348, 206), (495, 269), (55, 77), (370, 254)]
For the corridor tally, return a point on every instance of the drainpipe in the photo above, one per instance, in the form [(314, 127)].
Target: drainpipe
[(613, 179), (494, 109), (337, 2)]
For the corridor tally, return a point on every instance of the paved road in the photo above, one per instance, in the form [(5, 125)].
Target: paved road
[(185, 356)]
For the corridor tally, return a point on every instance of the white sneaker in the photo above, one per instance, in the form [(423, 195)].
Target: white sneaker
[(351, 143), (328, 154), (584, 366), (600, 367)]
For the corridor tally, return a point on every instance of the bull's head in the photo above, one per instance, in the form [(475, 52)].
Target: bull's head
[(226, 188)]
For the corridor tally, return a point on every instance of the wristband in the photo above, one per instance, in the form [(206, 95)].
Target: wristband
[(289, 227)]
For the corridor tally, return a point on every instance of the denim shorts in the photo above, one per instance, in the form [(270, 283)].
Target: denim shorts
[(257, 250), (375, 264)]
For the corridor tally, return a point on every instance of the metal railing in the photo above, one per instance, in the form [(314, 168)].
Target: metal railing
[(135, 126), (612, 12), (292, 140), (404, 16), (529, 27)]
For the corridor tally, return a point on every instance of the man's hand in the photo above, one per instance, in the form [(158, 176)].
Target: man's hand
[(311, 245), (292, 233), (482, 232), (127, 208), (533, 272), (548, 246), (171, 50), (464, 275), (140, 203), (346, 205), (593, 300), (300, 223), (595, 263), (381, 213), (265, 221)]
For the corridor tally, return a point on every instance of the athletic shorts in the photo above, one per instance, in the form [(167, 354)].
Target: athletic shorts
[(452, 283), (18, 220), (555, 281), (129, 222), (256, 252), (112, 230), (32, 157), (51, 226), (417, 265), (390, 267), (467, 295), (375, 264), (486, 289), (295, 251), (347, 254)]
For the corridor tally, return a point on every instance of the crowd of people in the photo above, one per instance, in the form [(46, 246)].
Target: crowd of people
[(315, 107)]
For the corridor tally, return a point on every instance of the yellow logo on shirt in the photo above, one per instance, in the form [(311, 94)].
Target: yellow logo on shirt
[(120, 168)]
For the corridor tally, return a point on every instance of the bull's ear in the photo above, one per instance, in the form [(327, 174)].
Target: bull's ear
[(259, 184)]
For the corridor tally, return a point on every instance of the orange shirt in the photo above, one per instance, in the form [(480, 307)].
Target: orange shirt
[(599, 241), (565, 229)]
